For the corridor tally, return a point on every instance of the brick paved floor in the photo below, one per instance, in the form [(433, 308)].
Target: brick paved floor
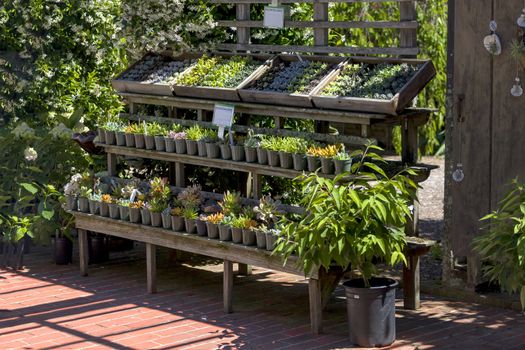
[(51, 307)]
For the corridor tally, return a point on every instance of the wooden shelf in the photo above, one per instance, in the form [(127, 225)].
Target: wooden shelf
[(255, 168)]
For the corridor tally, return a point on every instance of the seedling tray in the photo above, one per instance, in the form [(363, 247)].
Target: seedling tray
[(224, 94), (402, 99), (282, 98), (122, 84)]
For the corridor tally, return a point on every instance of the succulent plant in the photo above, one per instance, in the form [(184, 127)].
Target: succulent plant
[(215, 218), (231, 203), (329, 151), (191, 197)]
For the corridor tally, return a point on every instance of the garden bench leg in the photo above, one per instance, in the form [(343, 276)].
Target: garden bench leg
[(411, 284), (228, 286), (151, 267), (316, 306), (83, 251), (245, 269)]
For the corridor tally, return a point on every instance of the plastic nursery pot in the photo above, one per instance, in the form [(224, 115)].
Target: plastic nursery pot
[(130, 140), (177, 223), (201, 227), (248, 237), (94, 207), (262, 156), (273, 158), (191, 147), (83, 204), (286, 160), (327, 166), (342, 166), (212, 150), (236, 235), (170, 145), (156, 219), (201, 148), (213, 230), (134, 215), (371, 311), (226, 151), (62, 250), (270, 240), (145, 216), (71, 203), (110, 138), (98, 249), (113, 211), (260, 238), (190, 225), (225, 233), (313, 163), (237, 153), (149, 141), (299, 161), (104, 209), (101, 136), (140, 141), (120, 138), (180, 146), (251, 154), (166, 221), (160, 144), (124, 212)]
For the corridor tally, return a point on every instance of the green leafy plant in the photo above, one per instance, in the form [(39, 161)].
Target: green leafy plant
[(195, 133), (191, 197), (156, 129), (351, 223), (190, 213), (502, 245), (267, 211), (231, 203)]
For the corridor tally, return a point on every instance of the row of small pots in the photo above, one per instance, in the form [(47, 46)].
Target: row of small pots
[(238, 153), (263, 240)]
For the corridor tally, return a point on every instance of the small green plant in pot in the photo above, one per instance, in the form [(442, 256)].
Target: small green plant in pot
[(212, 222), (502, 245), (352, 225), (251, 144), (190, 214), (193, 134), (272, 145), (159, 194), (342, 162)]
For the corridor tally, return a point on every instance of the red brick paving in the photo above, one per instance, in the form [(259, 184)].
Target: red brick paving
[(47, 306)]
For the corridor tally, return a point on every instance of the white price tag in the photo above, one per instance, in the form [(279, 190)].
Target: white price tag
[(274, 17), (133, 196), (223, 117)]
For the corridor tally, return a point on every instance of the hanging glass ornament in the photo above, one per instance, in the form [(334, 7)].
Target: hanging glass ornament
[(492, 41), (458, 174), (516, 90), (521, 19)]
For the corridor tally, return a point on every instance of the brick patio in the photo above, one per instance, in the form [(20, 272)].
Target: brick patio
[(51, 307)]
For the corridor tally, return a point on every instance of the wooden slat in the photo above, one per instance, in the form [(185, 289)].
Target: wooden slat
[(300, 1), (349, 50), (326, 24), (190, 243)]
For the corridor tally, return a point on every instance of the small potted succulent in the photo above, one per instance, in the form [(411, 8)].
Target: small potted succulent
[(101, 133), (155, 210), (159, 195), (111, 128), (105, 200), (130, 131), (123, 207), (237, 149), (134, 211), (190, 197), (170, 138), (190, 214), (237, 223), (193, 134), (86, 188), (94, 202), (225, 229), (159, 133), (248, 231), (71, 192), (326, 155), (262, 153), (180, 141), (291, 153), (120, 135), (224, 146), (114, 212), (272, 235), (342, 162), (272, 144), (212, 222), (201, 225), (145, 215), (268, 214), (212, 146), (251, 144), (166, 218), (312, 158), (207, 136), (140, 135), (177, 220)]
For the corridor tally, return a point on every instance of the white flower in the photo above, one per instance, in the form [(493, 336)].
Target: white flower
[(23, 131), (30, 154)]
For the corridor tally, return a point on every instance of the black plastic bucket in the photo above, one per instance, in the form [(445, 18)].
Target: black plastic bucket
[(371, 311)]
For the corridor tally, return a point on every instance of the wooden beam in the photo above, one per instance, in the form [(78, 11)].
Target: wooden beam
[(411, 284), (325, 24), (151, 267), (83, 251), (316, 305), (227, 291), (244, 269)]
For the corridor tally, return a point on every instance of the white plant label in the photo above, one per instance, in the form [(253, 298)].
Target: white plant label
[(223, 117), (133, 196), (274, 17)]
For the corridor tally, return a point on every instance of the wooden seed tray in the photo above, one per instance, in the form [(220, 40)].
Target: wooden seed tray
[(281, 98), (393, 106)]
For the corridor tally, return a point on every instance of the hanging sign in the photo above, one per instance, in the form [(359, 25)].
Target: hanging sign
[(223, 117), (274, 17)]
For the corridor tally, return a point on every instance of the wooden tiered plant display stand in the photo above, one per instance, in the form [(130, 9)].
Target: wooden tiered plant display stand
[(341, 112)]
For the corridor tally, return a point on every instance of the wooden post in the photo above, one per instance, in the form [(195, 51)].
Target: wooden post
[(151, 267), (243, 14), (227, 292), (321, 39), (316, 306), (257, 185), (408, 37), (411, 283), (83, 251), (112, 164)]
